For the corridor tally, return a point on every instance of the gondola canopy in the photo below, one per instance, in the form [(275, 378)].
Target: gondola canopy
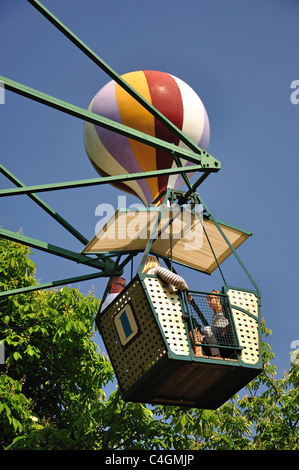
[(187, 241)]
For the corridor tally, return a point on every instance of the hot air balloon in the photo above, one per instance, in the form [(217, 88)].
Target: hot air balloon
[(114, 154)]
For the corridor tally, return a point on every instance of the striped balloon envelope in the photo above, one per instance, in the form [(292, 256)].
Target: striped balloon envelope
[(113, 154)]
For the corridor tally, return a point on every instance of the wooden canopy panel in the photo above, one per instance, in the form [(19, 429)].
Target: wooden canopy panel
[(188, 241)]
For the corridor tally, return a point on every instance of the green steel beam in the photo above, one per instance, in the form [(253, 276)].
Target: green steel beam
[(106, 264), (45, 206), (216, 222), (48, 285), (95, 181), (202, 158), (179, 164), (194, 186), (118, 79)]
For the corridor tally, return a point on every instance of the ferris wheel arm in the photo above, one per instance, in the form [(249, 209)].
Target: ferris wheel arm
[(202, 158), (106, 264), (118, 79), (49, 285), (93, 181), (44, 206)]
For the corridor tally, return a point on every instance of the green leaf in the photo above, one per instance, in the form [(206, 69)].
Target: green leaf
[(17, 355)]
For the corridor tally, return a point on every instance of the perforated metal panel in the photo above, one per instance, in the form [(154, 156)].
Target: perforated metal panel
[(246, 325), (169, 311), (146, 346)]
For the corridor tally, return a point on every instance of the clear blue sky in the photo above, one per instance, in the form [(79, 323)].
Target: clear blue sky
[(240, 56)]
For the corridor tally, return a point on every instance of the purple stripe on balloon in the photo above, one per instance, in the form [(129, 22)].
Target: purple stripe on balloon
[(117, 145), (203, 143), (205, 136), (179, 181)]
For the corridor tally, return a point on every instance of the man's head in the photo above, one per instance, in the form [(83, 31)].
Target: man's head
[(116, 285), (214, 301)]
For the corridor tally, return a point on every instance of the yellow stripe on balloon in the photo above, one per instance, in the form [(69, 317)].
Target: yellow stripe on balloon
[(129, 109), (99, 155)]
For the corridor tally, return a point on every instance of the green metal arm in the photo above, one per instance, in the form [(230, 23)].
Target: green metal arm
[(202, 158), (94, 181), (118, 79), (45, 206), (48, 285), (104, 263), (231, 248)]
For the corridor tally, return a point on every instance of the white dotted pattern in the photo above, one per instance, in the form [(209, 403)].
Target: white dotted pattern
[(246, 326), (168, 308)]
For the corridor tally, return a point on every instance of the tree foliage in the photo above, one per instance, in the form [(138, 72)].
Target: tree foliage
[(52, 384)]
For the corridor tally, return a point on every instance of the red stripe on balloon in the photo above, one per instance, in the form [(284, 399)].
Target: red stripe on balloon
[(166, 97)]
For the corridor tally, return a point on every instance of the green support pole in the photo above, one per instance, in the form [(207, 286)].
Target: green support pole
[(202, 161), (49, 285), (58, 251), (232, 249), (154, 233), (179, 164), (204, 158), (45, 206), (118, 79), (191, 190), (95, 181)]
